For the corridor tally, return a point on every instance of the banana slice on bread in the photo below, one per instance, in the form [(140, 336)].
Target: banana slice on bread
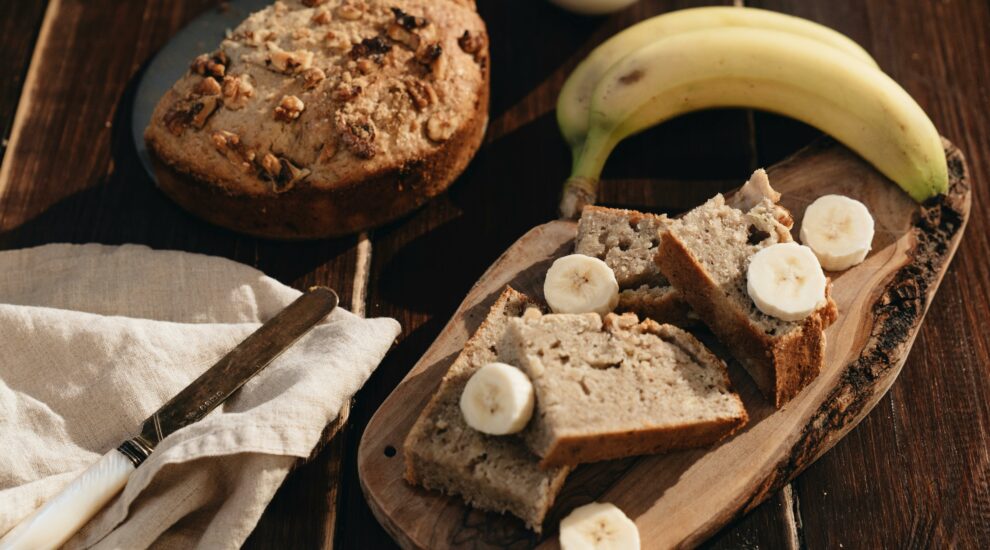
[(498, 399), (786, 281), (581, 284)]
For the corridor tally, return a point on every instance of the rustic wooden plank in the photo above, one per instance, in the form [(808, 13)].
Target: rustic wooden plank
[(19, 26), (681, 499), (70, 174), (915, 473)]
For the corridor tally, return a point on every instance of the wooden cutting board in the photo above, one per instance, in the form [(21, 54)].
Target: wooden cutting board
[(680, 499)]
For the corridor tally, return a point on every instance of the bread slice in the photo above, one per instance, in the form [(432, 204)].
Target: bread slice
[(627, 241), (705, 256), (316, 118), (496, 473), (618, 388)]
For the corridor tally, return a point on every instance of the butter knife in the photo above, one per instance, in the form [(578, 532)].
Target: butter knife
[(59, 518)]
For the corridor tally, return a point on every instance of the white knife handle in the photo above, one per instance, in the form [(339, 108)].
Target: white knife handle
[(52, 524)]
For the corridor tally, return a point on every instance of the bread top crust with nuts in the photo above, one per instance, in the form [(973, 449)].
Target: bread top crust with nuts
[(325, 93)]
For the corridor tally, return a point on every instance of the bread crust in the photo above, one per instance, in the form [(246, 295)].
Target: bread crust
[(419, 428), (780, 366), (531, 501), (376, 132), (571, 450), (310, 212)]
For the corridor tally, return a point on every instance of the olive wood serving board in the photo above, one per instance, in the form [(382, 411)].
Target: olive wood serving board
[(680, 499)]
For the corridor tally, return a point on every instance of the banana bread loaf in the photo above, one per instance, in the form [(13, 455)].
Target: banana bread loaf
[(705, 256), (627, 241), (618, 388), (497, 473), (323, 117)]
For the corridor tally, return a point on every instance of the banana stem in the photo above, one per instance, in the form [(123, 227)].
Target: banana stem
[(581, 188), (578, 193)]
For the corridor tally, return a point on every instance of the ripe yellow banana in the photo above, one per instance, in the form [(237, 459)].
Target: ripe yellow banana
[(575, 97), (769, 70)]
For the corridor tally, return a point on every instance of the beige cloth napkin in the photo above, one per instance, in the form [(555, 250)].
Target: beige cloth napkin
[(94, 338)]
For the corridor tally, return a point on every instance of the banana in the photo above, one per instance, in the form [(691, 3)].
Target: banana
[(580, 284), (786, 281), (769, 70), (593, 7), (598, 526), (574, 102), (498, 399), (839, 230)]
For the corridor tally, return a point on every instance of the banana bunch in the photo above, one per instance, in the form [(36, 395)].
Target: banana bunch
[(714, 57)]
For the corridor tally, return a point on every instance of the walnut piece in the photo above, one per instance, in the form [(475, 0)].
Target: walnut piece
[(209, 104), (371, 47), (346, 92), (281, 172), (403, 36), (207, 86), (421, 93), (289, 108), (236, 92), (407, 21), (471, 43), (288, 62), (439, 128), (322, 17), (229, 144), (432, 58), (270, 165), (365, 66), (350, 12), (191, 111), (358, 137), (214, 64), (313, 3), (312, 77)]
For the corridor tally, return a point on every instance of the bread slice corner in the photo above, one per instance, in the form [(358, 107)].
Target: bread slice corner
[(494, 473), (706, 254), (618, 387)]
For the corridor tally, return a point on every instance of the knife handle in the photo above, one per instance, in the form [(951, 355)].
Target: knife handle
[(59, 518)]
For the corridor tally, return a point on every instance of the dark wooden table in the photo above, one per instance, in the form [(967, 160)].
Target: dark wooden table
[(914, 474)]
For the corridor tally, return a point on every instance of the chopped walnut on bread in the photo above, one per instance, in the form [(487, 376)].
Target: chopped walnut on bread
[(370, 108)]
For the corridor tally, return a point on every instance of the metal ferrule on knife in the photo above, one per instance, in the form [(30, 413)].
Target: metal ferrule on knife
[(136, 449)]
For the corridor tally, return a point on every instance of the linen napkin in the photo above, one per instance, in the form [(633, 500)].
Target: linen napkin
[(95, 338)]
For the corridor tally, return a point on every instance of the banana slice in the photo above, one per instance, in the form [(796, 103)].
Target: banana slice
[(786, 281), (498, 399), (839, 231), (580, 284), (598, 526)]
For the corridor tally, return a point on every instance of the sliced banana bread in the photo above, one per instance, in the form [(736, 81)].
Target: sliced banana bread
[(322, 117), (706, 255), (497, 473), (619, 387), (627, 241)]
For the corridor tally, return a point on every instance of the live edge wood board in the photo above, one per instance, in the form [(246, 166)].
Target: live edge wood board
[(680, 499)]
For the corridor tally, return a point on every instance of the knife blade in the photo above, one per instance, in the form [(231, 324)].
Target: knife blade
[(55, 522)]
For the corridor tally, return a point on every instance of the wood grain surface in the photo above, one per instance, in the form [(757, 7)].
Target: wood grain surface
[(915, 473)]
